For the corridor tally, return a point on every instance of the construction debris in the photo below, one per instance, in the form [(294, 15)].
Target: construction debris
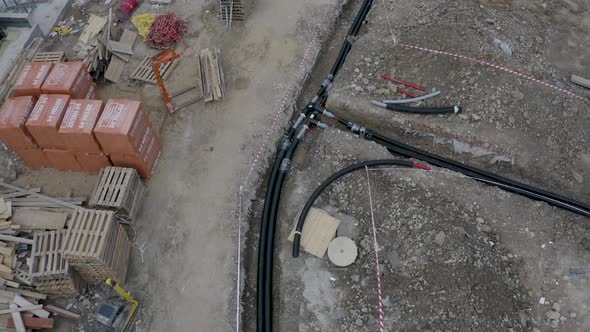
[(119, 189), (166, 31), (211, 75)]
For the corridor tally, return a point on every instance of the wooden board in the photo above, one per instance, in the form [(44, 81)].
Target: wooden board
[(145, 72), (120, 47), (115, 69), (39, 219), (17, 319), (206, 75), (211, 75), (128, 37), (318, 231), (49, 57), (34, 323), (22, 302), (92, 29)]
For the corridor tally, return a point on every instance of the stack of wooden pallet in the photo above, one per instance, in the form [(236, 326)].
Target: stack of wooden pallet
[(49, 271), (97, 246), (119, 189), (232, 10)]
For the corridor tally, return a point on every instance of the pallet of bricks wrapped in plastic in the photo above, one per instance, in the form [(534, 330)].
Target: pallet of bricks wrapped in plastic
[(97, 246), (50, 272), (119, 189)]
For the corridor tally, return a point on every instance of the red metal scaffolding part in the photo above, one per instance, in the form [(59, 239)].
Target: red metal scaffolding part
[(166, 31)]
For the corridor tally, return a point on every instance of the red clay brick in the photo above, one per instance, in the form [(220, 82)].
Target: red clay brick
[(146, 163), (13, 116), (78, 124), (33, 158), (62, 160), (93, 163), (68, 78), (45, 119), (121, 127), (31, 78)]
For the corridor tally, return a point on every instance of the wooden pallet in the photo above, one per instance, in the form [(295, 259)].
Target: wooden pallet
[(89, 237), (119, 189), (72, 286), (49, 57), (145, 72), (232, 9), (47, 261), (116, 268)]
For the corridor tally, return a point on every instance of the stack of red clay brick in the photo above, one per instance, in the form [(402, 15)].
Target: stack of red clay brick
[(54, 120)]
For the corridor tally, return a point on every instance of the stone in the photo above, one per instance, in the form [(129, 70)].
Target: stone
[(555, 306), (348, 226), (517, 95), (358, 88), (553, 315), (440, 238), (371, 88), (359, 322), (392, 87), (505, 47), (394, 261)]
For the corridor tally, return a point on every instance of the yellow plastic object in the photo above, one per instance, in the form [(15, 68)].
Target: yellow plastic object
[(127, 297), (143, 23), (64, 31)]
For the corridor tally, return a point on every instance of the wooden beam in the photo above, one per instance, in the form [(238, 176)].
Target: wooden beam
[(32, 193), (11, 292), (21, 301), (17, 319), (15, 239), (19, 309), (62, 312), (33, 323)]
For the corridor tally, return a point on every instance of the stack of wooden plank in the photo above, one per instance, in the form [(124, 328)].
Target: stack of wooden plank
[(97, 246), (119, 189), (121, 51), (50, 272), (211, 75), (90, 48)]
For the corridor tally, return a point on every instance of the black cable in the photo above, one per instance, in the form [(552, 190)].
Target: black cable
[(264, 233), (285, 165), (420, 110), (473, 172), (329, 181)]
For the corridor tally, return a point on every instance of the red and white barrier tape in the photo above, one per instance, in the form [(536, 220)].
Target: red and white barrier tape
[(376, 246), (489, 64)]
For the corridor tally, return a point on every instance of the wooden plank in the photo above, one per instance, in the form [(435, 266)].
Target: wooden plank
[(580, 81), (33, 323), (92, 29), (15, 239), (32, 193), (121, 47), (8, 213), (215, 76), (22, 302), (39, 219), (19, 194), (17, 319), (206, 75), (318, 231), (22, 292), (62, 312), (19, 309), (115, 69)]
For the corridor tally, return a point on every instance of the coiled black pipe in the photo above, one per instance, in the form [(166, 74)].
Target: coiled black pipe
[(329, 181)]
